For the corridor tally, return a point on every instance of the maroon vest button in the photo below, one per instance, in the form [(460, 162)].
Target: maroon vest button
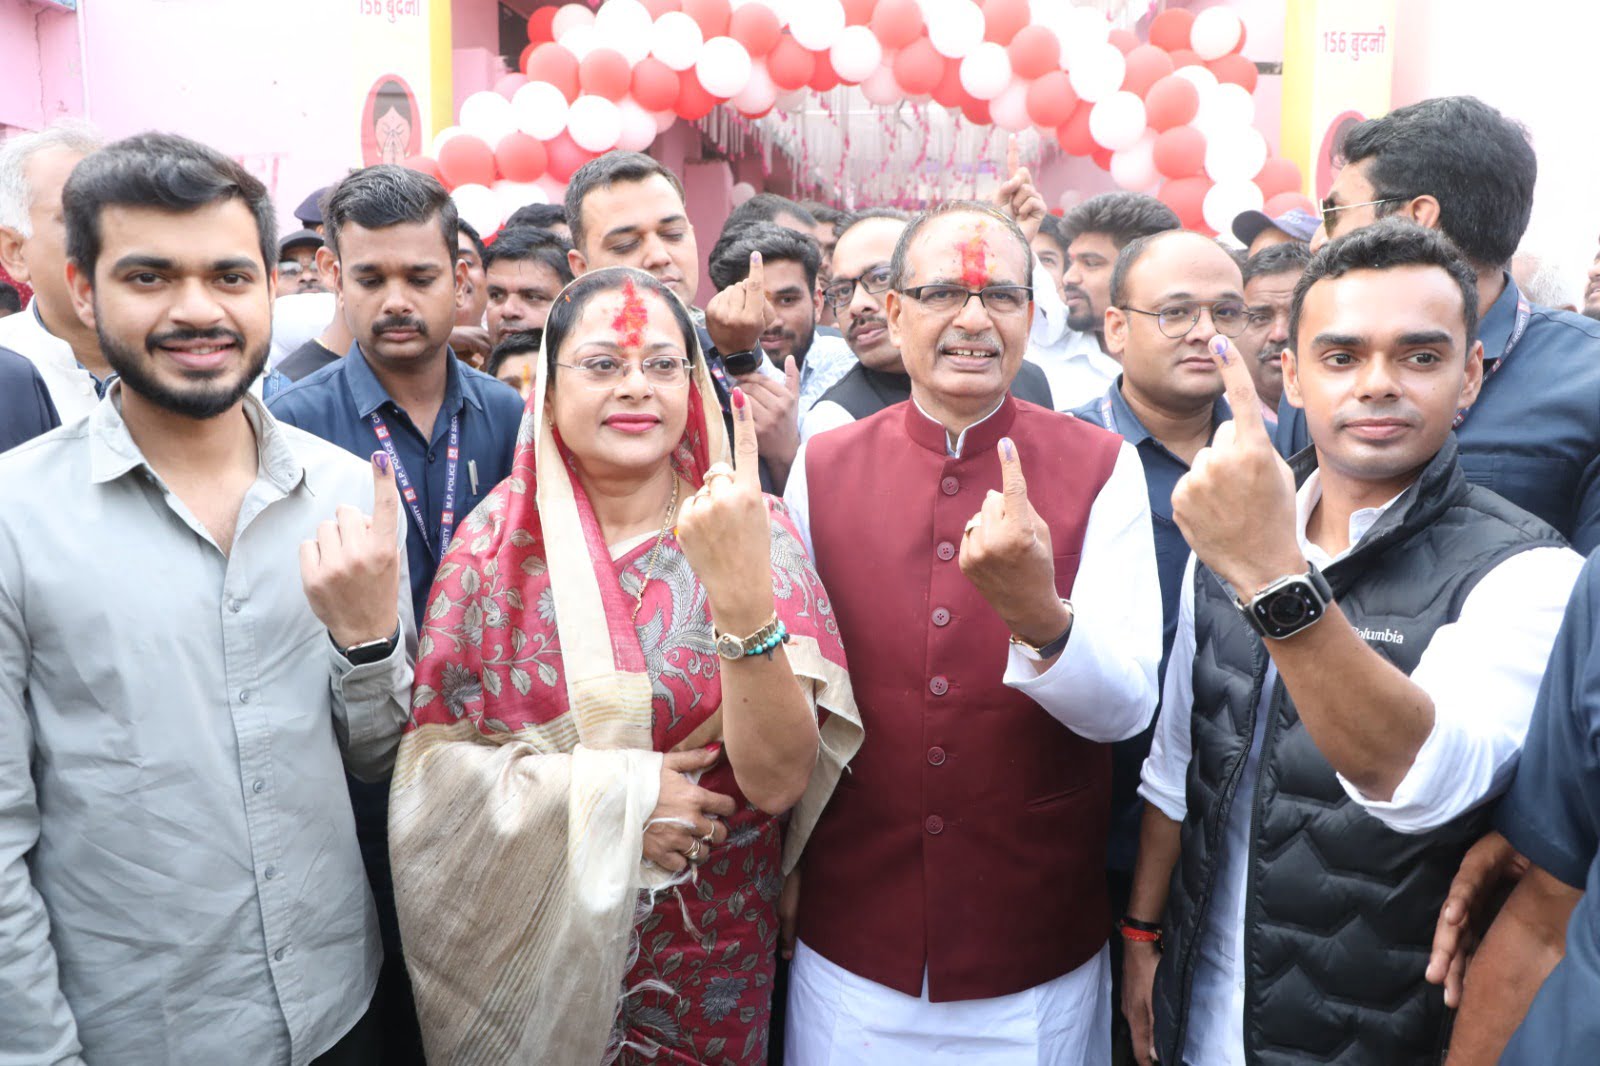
[(939, 686), (941, 617), (934, 825), (949, 486), (945, 550), (936, 756)]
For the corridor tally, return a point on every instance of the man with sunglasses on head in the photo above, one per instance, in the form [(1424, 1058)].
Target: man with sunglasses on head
[(1533, 435), (856, 292), (1002, 631)]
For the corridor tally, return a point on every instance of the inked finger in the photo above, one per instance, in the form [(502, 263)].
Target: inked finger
[(746, 452)]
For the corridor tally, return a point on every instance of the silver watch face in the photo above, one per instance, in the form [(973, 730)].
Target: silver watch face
[(730, 646)]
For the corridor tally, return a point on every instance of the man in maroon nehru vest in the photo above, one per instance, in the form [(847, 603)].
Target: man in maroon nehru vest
[(1001, 633)]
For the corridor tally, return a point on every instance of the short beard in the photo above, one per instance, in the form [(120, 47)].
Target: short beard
[(1592, 310), (802, 345), (1083, 321), (205, 399)]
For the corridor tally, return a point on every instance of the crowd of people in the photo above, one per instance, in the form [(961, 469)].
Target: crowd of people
[(976, 635)]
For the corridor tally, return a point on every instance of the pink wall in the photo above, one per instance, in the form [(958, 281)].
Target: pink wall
[(39, 64)]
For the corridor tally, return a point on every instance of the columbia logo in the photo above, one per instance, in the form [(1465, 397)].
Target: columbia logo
[(1388, 636)]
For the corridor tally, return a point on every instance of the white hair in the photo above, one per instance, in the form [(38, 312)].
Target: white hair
[(1542, 280), (16, 198)]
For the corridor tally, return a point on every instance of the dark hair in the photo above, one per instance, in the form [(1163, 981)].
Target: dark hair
[(1135, 250), (164, 171), (387, 195), (824, 213), (866, 214), (470, 232), (902, 248), (767, 207), (1385, 245), (541, 216), (392, 94), (1277, 259), (532, 245), (730, 256), (568, 308), (602, 173), (517, 342), (1050, 226), (1472, 159), (1122, 216), (10, 298)]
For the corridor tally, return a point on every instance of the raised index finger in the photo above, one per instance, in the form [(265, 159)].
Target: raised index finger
[(385, 499), (1248, 424), (746, 457), (756, 279)]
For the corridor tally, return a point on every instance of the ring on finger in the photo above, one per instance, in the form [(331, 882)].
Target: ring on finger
[(973, 523), (693, 854)]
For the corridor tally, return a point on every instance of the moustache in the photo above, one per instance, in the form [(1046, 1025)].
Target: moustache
[(384, 325), (859, 324), (181, 336), (1072, 292)]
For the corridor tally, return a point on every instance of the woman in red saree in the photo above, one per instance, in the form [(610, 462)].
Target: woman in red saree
[(587, 821)]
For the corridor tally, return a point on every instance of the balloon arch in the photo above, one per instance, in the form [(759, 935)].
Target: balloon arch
[(1173, 116)]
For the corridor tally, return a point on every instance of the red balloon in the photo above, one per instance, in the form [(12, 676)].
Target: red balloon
[(1244, 34), (1180, 152), (712, 15), (693, 100), (918, 68), (1074, 135), (654, 84), (1183, 57), (949, 93), (539, 25), (790, 65), (565, 156), (1170, 102), (556, 65), (1187, 197), (520, 157), (1003, 18), (1051, 100), (824, 77), (604, 72), (466, 160), (977, 112), (756, 27), (1125, 40), (896, 23), (1279, 176), (522, 60), (1102, 158), (1289, 201), (858, 12), (425, 165), (1235, 69), (1170, 29), (1034, 51), (1147, 65)]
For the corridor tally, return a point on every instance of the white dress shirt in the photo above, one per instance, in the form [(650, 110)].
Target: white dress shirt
[(1078, 371), (1482, 673), (72, 388), (827, 360), (1103, 687)]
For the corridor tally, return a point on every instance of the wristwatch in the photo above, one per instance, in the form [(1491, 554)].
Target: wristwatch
[(1289, 604), (763, 641), (369, 651), (1041, 652)]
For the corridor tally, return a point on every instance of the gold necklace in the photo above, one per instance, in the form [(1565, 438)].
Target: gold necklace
[(655, 552)]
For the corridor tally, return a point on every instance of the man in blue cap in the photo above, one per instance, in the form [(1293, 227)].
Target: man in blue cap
[(1257, 230)]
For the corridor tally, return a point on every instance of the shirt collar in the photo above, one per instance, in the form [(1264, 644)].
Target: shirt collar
[(1495, 327), (369, 394), (1133, 431), (985, 432), (113, 453), (1361, 522)]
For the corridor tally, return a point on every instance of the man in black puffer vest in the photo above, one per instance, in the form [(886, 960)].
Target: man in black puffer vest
[(1354, 670)]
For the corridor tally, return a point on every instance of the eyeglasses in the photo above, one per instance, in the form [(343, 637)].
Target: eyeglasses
[(1331, 208), (841, 291), (607, 372), (1176, 321), (996, 299)]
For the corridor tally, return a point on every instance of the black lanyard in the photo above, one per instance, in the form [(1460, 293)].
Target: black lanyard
[(408, 492), (1524, 312)]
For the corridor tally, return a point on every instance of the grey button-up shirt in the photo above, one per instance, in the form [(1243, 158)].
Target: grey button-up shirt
[(179, 877)]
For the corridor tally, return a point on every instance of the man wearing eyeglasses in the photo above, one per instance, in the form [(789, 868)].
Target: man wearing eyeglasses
[(1002, 631), (1459, 166)]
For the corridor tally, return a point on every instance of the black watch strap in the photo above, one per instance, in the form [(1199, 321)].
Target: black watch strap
[(371, 651)]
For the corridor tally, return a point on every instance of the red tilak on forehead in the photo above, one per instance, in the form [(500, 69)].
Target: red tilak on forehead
[(975, 262), (630, 321)]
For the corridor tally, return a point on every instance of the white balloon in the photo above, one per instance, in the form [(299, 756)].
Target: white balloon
[(1098, 71), (1117, 122), (488, 115), (478, 207), (986, 72), (724, 67), (1225, 107), (1235, 155), (677, 40), (817, 24), (759, 94), (1009, 110), (880, 88), (582, 40), (1078, 29), (511, 195), (794, 102), (665, 120), (638, 127), (856, 54), (1215, 32), (1134, 167), (570, 17), (625, 25), (595, 123), (553, 187), (741, 192), (955, 28), (1199, 77), (540, 110), (450, 132), (1227, 200), (1069, 199)]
